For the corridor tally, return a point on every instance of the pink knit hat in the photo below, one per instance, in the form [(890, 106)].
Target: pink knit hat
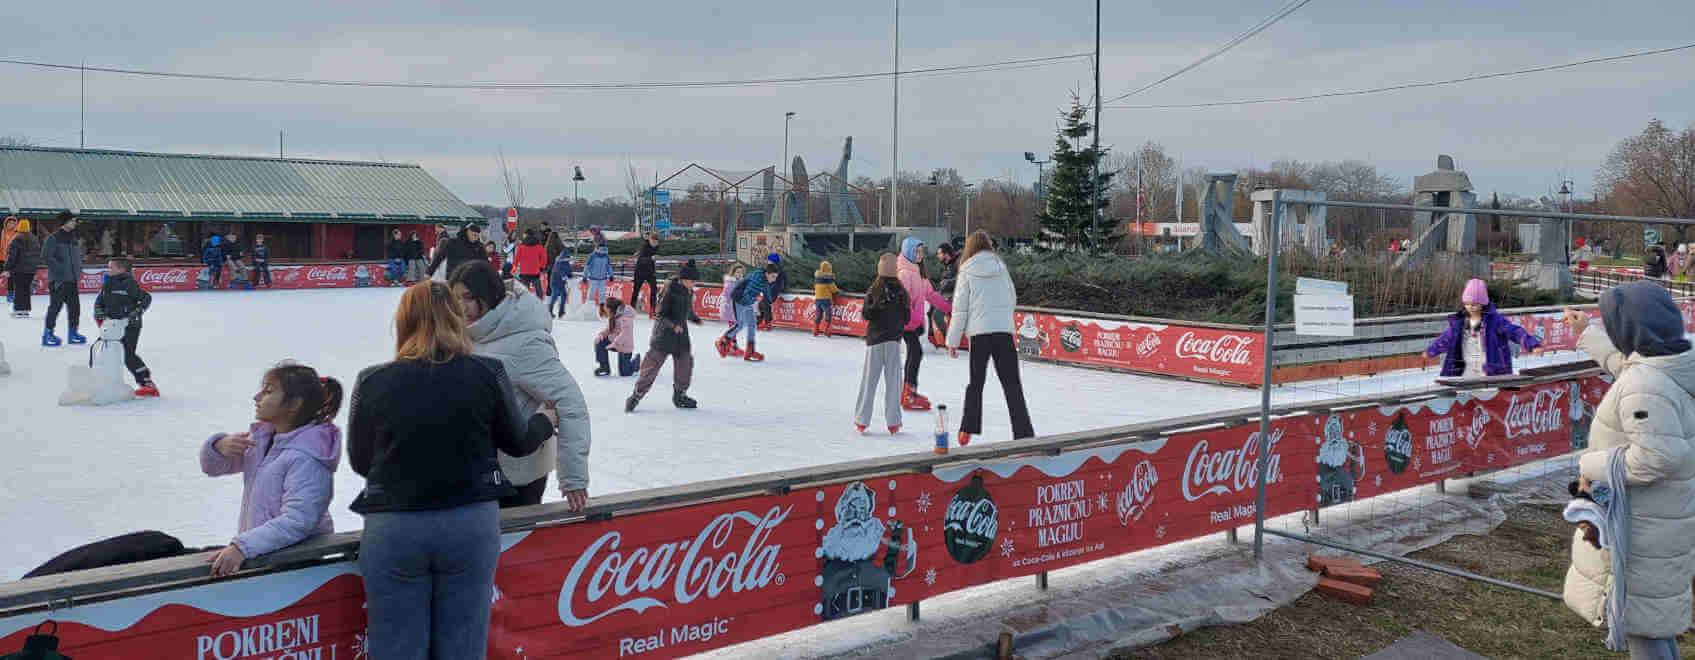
[(1476, 291)]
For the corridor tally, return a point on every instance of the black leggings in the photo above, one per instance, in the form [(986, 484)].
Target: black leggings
[(652, 291), (996, 346), (531, 282), (137, 368), (527, 494), (22, 286), (914, 354)]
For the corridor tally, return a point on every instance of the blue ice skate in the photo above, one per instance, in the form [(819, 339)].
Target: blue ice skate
[(47, 338), (73, 338)]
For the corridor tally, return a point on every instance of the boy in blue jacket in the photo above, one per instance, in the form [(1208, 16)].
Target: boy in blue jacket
[(213, 258), (747, 293), (559, 284), (598, 271)]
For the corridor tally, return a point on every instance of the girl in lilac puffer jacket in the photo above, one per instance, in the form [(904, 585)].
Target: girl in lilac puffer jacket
[(287, 460)]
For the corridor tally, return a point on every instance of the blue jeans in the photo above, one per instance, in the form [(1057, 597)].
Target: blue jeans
[(429, 581), (560, 296), (627, 362), (746, 319), (597, 291), (396, 270)]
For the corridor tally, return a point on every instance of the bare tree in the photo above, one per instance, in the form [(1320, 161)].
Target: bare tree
[(1652, 173), (514, 183)]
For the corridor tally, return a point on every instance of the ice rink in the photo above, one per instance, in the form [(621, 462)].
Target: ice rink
[(79, 474)]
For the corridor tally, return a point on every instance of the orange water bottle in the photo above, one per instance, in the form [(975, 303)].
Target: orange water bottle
[(942, 429)]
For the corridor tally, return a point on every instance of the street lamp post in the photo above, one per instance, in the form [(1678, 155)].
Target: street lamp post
[(1571, 225), (1031, 156), (576, 197), (968, 191), (786, 117)]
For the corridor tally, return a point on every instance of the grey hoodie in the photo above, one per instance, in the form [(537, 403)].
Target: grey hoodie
[(518, 332)]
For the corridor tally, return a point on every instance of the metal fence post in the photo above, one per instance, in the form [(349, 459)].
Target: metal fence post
[(1042, 580), (912, 611), (1274, 245)]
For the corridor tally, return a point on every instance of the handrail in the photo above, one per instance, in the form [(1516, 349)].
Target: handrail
[(54, 591)]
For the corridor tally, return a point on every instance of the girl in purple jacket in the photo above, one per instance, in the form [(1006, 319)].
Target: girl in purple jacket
[(1478, 340), (287, 460)]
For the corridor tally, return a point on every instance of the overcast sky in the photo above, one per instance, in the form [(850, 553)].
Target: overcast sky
[(1514, 136)]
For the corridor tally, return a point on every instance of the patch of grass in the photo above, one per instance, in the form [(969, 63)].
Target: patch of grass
[(1529, 548)]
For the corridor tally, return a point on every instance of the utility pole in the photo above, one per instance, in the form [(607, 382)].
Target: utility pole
[(279, 144), (1095, 211), (894, 176), (82, 109)]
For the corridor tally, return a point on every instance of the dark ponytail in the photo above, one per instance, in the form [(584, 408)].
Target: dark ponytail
[(319, 397)]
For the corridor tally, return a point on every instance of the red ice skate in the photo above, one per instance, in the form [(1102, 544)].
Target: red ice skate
[(964, 438), (149, 390), (911, 400), (894, 429), (724, 346), (859, 427), (753, 355)]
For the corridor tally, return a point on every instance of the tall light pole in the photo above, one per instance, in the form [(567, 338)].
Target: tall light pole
[(1571, 225), (1031, 156), (1095, 185), (576, 198), (786, 117), (894, 176), (968, 187)]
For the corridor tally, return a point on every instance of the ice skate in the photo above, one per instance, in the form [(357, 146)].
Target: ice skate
[(73, 338), (893, 430), (910, 400), (47, 339), (682, 400), (859, 427), (630, 403), (149, 391), (723, 346), (753, 355), (964, 438)]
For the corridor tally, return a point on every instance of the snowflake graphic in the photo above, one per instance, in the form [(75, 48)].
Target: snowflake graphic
[(930, 576), (1103, 501), (1006, 548), (361, 645), (923, 502), (496, 598), (1159, 532), (1371, 429), (1415, 463), (1377, 481)]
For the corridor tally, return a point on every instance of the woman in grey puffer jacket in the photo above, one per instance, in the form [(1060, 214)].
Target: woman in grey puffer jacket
[(1650, 412)]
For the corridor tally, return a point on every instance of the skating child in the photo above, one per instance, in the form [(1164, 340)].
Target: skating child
[(744, 295), (671, 339), (886, 312), (727, 309), (824, 292), (1476, 343), (262, 260), (559, 284), (921, 293), (776, 288), (287, 460), (619, 336), (598, 271), (121, 297)]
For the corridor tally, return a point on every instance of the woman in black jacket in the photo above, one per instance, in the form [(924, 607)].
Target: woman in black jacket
[(646, 274), (671, 338), (23, 257), (423, 431)]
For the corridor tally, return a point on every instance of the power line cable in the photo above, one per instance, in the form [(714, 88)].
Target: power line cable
[(1256, 29), (1392, 88), (598, 86)]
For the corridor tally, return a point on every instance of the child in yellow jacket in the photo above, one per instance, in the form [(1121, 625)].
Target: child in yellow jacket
[(824, 292)]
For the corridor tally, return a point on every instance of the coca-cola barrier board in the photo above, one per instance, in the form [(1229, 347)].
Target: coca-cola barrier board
[(193, 278), (670, 583)]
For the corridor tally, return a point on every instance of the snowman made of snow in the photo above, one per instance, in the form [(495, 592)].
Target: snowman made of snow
[(1341, 464), (1031, 339), (854, 578), (102, 381)]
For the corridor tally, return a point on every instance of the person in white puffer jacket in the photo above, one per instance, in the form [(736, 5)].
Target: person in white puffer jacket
[(1650, 411), (983, 302)]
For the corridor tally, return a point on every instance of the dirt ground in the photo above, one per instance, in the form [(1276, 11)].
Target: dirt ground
[(1530, 548)]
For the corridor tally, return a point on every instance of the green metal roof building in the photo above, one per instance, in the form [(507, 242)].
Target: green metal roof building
[(307, 208)]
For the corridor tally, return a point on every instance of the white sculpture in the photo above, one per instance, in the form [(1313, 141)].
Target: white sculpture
[(101, 381), (4, 368)]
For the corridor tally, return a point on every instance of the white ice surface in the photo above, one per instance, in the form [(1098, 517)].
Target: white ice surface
[(80, 474)]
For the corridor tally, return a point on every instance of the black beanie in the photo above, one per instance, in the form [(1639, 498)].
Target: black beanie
[(689, 272)]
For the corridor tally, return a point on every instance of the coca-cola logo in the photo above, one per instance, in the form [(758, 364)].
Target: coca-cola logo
[(160, 277), (1149, 344), (1230, 471), (1071, 338), (712, 298), (326, 273), (689, 569), (1541, 414), (1227, 349), (1138, 495), (1479, 426), (971, 523)]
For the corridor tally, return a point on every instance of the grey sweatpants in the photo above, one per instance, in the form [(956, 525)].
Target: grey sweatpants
[(881, 361), (429, 581)]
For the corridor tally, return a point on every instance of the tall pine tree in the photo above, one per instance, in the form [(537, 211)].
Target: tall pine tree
[(1068, 216)]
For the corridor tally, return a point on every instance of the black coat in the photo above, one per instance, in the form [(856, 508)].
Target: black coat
[(676, 311), (121, 297), (397, 249), (645, 261), (456, 251), (424, 435), (23, 257), (886, 312), (414, 249)]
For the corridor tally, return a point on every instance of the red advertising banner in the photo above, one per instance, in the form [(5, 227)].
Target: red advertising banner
[(674, 582), (196, 278), (1229, 356)]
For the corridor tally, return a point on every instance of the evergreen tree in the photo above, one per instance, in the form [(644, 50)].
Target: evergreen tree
[(1068, 216)]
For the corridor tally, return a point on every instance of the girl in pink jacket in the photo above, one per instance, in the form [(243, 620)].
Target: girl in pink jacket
[(922, 294), (619, 336)]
